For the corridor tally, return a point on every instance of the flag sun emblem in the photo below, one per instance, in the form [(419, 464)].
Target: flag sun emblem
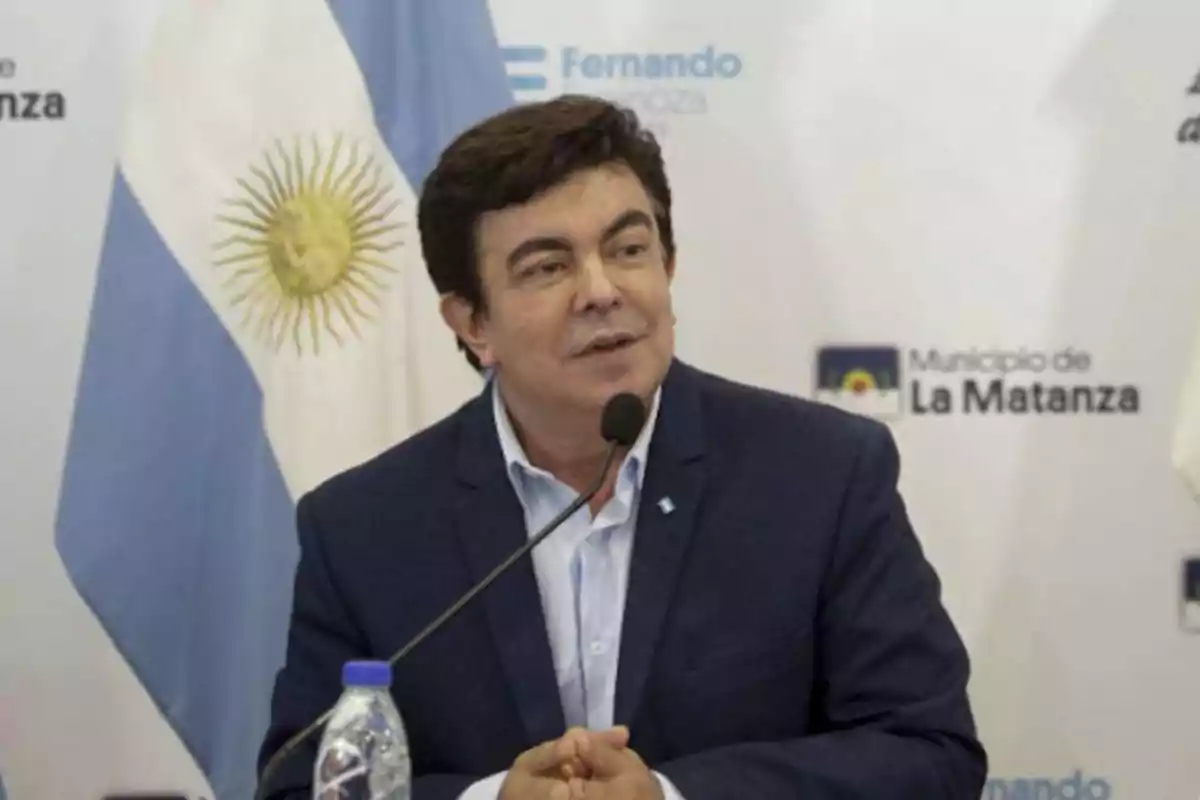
[(308, 247), (859, 381)]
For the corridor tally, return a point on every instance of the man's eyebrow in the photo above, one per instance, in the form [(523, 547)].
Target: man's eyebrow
[(629, 219), (556, 244), (536, 245)]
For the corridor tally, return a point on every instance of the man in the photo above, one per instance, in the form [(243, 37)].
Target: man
[(742, 612)]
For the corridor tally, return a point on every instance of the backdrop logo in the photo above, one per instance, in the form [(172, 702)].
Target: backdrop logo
[(884, 381), (526, 68), (705, 64), (1189, 602), (861, 379), (654, 83), (1189, 129), (1074, 787), (20, 104)]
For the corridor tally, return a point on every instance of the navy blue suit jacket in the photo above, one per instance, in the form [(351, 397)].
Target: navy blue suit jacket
[(783, 636)]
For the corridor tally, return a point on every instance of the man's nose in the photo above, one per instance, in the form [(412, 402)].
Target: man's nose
[(597, 289)]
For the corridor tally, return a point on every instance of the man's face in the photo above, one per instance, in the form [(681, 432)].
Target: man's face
[(577, 290)]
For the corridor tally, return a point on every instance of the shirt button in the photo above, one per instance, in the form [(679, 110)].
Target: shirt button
[(598, 648)]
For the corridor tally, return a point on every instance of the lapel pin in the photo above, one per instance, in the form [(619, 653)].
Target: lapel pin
[(666, 506)]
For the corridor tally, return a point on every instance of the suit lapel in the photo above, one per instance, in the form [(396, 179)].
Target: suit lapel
[(670, 496), (490, 526)]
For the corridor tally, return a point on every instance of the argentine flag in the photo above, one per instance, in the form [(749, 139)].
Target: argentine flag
[(262, 320)]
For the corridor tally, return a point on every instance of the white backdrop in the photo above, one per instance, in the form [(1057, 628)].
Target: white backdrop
[(999, 175)]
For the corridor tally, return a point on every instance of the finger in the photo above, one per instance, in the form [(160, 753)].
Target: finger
[(574, 768), (566, 749), (560, 791), (570, 745), (578, 789), (617, 737), (574, 737), (604, 760), (544, 758)]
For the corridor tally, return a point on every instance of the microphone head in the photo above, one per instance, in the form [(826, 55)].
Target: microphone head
[(623, 418)]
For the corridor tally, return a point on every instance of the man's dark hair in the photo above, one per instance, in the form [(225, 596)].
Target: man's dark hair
[(515, 155)]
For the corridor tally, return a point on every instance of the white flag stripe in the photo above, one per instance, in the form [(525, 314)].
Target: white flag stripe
[(228, 79)]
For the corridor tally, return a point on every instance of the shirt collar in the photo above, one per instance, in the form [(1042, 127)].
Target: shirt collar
[(515, 458)]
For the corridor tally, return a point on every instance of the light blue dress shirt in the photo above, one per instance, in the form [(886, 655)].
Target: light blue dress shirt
[(582, 571)]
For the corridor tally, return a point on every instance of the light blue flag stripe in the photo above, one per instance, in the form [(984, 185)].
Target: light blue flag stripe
[(446, 74), (174, 522)]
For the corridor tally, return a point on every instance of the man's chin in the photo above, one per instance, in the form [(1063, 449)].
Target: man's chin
[(594, 384), (602, 389)]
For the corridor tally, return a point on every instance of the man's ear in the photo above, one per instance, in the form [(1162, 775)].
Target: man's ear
[(468, 325), (670, 265)]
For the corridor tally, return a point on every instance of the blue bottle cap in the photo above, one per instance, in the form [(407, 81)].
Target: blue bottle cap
[(374, 674)]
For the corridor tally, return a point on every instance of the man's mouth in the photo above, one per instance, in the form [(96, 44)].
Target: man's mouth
[(609, 344)]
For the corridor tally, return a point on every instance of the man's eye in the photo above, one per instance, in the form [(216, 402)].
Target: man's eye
[(632, 251), (543, 269)]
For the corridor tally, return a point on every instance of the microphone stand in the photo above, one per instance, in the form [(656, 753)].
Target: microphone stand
[(290, 745)]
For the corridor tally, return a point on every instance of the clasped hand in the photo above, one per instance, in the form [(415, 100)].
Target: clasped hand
[(582, 765)]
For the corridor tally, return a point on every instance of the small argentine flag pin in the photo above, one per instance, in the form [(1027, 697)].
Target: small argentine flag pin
[(666, 506)]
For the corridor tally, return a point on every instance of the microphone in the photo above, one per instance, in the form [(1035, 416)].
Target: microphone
[(621, 422)]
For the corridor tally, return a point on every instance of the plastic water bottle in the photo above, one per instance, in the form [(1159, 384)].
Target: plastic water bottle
[(364, 750)]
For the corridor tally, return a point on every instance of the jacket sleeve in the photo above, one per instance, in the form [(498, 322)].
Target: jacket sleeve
[(322, 636), (893, 721)]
